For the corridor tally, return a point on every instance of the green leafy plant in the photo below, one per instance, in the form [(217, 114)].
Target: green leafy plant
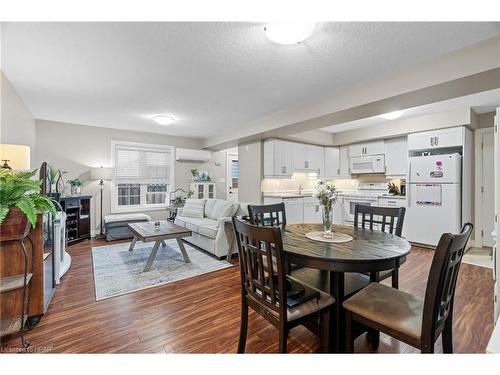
[(18, 189), (76, 182), (53, 172)]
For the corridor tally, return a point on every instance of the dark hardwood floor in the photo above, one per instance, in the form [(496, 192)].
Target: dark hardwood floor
[(202, 314)]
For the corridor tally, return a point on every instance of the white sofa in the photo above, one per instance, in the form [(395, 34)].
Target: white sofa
[(211, 232)]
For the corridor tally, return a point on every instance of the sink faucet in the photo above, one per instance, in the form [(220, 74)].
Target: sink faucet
[(300, 189)]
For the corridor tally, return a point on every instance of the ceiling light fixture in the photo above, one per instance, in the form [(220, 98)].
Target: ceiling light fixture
[(289, 32), (392, 115), (163, 119)]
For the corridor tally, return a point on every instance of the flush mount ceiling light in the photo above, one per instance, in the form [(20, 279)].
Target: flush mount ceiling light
[(289, 32), (392, 115), (163, 119)]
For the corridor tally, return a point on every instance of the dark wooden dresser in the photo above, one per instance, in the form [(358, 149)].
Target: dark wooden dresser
[(77, 210)]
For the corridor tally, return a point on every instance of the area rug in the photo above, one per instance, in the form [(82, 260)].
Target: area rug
[(118, 271)]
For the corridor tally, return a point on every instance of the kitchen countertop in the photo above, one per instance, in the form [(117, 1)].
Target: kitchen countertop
[(285, 195)]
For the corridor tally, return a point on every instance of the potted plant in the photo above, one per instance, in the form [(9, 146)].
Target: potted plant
[(76, 185), (327, 196), (195, 174), (20, 202)]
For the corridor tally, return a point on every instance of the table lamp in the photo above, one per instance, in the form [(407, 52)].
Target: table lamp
[(15, 157), (101, 174)]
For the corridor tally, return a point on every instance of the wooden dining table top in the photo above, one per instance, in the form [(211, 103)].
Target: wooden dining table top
[(368, 247)]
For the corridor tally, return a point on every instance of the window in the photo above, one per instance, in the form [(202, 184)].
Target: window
[(143, 176)]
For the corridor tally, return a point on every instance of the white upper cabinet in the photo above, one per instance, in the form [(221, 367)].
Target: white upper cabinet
[(332, 162), (451, 137), (396, 156), (315, 159), (345, 171), (367, 148), (278, 158), (308, 158)]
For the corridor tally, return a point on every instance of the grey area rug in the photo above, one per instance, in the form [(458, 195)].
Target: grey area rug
[(118, 271)]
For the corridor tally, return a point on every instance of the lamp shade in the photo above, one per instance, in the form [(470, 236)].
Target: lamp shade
[(101, 173), (17, 156)]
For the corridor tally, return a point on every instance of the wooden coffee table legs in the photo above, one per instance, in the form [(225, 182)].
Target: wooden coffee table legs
[(154, 251), (183, 250)]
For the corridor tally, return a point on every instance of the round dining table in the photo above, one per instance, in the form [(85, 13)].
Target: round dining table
[(369, 251)]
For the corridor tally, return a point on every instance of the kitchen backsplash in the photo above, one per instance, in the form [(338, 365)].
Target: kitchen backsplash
[(309, 182)]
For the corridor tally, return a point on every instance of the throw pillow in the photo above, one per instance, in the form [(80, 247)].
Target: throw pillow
[(194, 208), (221, 209)]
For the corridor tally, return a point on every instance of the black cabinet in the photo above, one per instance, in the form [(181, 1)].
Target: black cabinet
[(77, 210)]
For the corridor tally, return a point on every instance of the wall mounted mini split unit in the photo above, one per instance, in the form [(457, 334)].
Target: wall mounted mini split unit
[(191, 155)]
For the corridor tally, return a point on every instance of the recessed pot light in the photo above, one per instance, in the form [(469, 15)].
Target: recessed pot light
[(289, 32), (392, 115), (163, 119)]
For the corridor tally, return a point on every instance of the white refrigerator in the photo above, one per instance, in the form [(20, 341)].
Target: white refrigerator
[(433, 196)]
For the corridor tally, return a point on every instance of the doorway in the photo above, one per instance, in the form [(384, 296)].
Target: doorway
[(233, 176), (485, 187)]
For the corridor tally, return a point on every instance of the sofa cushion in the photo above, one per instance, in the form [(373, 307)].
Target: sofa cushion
[(194, 208), (180, 221), (194, 223), (242, 209), (209, 206), (208, 230), (222, 208)]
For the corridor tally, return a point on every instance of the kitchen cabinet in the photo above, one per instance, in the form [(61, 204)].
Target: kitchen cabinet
[(332, 162), (312, 211), (278, 158), (396, 156), (338, 211), (442, 138), (367, 148), (395, 201), (345, 171), (294, 208), (308, 158)]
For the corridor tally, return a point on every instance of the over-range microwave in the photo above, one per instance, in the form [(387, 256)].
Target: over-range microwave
[(368, 164)]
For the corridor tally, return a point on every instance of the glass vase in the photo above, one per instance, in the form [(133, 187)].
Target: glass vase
[(327, 216)]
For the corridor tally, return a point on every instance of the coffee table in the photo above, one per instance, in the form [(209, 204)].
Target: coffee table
[(146, 232)]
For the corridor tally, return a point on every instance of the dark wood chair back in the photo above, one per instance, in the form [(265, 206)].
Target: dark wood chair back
[(267, 214), (257, 245), (443, 275), (389, 218)]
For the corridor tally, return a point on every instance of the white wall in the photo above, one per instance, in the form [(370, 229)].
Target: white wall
[(76, 148), (17, 122), (250, 160)]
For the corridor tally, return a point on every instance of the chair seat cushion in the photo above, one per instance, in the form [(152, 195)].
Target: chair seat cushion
[(309, 307), (390, 308)]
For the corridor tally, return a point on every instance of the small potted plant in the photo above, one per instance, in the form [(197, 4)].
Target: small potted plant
[(195, 173), (20, 202), (76, 185)]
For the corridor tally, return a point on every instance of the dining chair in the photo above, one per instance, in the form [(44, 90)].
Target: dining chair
[(267, 214), (262, 285), (387, 219), (406, 317)]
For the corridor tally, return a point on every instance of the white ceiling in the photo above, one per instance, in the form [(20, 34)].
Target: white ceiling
[(212, 77), (482, 102)]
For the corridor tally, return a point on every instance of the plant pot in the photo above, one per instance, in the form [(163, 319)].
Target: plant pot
[(15, 226)]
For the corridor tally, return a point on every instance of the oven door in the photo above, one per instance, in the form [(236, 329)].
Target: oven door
[(350, 206)]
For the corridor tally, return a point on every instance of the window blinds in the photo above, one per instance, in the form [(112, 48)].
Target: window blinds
[(141, 164)]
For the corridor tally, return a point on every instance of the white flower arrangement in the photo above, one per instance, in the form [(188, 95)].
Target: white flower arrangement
[(326, 193)]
